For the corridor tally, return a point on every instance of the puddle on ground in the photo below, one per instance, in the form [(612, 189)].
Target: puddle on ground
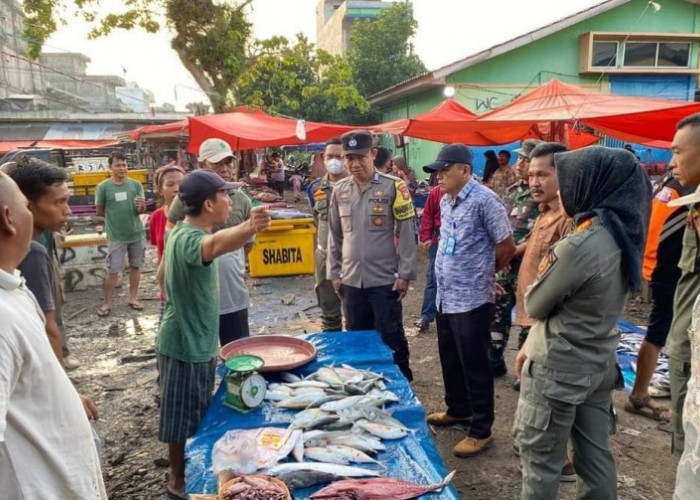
[(134, 326)]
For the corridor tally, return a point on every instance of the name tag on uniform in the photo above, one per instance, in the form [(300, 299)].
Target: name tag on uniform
[(450, 246), (120, 196)]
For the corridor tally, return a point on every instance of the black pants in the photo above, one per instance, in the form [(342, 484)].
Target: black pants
[(463, 344), (378, 308), (233, 326), (279, 187)]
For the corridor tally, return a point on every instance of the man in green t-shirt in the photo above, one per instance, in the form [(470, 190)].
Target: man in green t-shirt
[(189, 333), (120, 200)]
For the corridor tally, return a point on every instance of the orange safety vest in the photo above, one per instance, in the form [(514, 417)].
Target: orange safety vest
[(661, 225)]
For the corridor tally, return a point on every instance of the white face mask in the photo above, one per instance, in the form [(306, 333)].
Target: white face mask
[(334, 166)]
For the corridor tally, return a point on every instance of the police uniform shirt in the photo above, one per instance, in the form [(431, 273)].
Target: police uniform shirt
[(319, 193), (362, 223), (577, 299)]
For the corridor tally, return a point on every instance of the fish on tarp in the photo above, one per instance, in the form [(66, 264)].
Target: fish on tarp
[(379, 488), (352, 455), (382, 431), (312, 418), (297, 479), (301, 401), (289, 377), (335, 470)]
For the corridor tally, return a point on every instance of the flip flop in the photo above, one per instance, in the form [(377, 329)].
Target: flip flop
[(103, 313), (646, 408), (136, 306)]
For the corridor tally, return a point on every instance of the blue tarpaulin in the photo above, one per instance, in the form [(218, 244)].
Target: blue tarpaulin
[(413, 458), (625, 360)]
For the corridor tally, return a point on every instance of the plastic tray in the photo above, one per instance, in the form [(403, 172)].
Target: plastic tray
[(279, 352)]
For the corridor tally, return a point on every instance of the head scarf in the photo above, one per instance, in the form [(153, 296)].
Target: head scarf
[(609, 183)]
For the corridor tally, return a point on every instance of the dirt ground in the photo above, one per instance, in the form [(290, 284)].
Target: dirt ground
[(118, 371)]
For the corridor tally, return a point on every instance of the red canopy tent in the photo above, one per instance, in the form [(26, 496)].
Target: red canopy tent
[(451, 122), (246, 128), (6, 146), (165, 130), (637, 119)]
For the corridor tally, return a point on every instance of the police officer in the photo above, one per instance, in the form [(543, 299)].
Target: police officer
[(368, 269), (568, 365), (319, 193), (522, 212)]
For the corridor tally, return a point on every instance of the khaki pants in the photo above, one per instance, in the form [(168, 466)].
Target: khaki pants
[(554, 405), (328, 300), (679, 374)]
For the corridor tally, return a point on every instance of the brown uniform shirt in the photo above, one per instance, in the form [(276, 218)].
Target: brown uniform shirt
[(550, 227)]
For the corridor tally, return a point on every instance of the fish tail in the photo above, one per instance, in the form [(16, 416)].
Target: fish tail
[(448, 479)]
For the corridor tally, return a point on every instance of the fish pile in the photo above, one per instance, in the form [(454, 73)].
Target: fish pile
[(343, 420), (378, 488), (252, 488), (629, 346)]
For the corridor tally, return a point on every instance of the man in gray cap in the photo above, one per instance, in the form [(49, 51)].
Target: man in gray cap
[(522, 213), (368, 269), (475, 242)]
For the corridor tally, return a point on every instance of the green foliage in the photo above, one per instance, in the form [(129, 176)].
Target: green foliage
[(214, 41), (299, 80), (211, 38), (381, 53)]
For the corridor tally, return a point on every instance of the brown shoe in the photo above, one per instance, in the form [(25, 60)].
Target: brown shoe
[(469, 446), (442, 419)]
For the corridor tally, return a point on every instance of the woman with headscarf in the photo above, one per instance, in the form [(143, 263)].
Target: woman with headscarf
[(568, 367)]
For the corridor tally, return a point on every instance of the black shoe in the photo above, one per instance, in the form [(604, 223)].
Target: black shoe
[(421, 325), (499, 369), (516, 384)]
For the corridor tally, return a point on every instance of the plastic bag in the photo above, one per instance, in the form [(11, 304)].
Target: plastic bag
[(246, 451)]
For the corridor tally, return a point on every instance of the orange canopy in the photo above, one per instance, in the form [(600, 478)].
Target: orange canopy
[(246, 128), (174, 129), (638, 119), (451, 122)]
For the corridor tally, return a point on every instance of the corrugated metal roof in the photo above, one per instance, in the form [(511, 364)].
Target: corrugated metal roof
[(22, 131)]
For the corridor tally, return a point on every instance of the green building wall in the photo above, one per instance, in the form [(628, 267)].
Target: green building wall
[(496, 81)]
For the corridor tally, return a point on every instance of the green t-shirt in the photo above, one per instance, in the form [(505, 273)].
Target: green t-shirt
[(240, 210), (190, 327), (122, 222)]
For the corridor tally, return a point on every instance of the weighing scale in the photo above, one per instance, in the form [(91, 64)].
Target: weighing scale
[(245, 388)]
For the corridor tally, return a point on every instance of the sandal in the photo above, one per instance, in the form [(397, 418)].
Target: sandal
[(103, 312), (136, 306), (645, 408)]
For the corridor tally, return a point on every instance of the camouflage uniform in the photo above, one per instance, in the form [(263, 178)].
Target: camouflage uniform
[(522, 211)]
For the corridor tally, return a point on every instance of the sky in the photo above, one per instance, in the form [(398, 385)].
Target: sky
[(448, 30)]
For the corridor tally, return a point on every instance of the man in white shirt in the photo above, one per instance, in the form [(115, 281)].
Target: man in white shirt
[(46, 444)]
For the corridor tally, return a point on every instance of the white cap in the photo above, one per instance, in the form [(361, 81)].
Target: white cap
[(214, 150), (689, 199)]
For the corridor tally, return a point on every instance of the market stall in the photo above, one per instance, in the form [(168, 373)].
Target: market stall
[(412, 458)]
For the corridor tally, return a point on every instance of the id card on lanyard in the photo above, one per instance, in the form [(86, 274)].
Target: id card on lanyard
[(451, 241)]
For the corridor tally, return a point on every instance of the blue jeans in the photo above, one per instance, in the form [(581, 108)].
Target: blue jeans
[(429, 309)]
